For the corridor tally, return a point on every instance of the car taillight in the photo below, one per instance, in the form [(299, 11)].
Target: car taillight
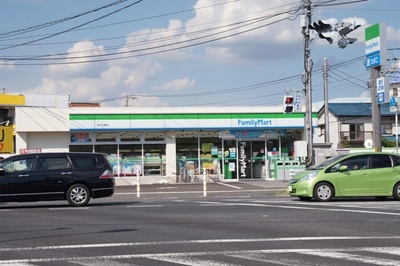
[(106, 175)]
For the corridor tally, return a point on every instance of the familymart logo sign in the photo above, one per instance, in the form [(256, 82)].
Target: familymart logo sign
[(254, 122), (375, 45)]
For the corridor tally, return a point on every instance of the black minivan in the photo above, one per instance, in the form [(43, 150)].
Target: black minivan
[(72, 176)]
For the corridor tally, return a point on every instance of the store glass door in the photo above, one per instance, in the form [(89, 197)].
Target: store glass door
[(251, 159), (244, 159), (229, 167)]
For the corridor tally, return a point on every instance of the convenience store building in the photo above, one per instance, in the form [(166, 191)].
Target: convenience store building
[(166, 143)]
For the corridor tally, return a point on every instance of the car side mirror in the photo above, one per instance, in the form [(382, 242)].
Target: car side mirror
[(343, 168)]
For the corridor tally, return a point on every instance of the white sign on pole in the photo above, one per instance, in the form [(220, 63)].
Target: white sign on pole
[(382, 90)]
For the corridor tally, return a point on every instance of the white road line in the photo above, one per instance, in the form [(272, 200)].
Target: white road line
[(353, 257), (193, 192), (260, 204), (144, 206), (232, 186), (189, 258), (206, 241), (68, 208)]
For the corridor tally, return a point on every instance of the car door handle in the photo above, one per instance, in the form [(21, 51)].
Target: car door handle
[(25, 175), (66, 173)]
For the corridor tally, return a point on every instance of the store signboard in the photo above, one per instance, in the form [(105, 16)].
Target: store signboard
[(33, 150), (375, 45), (255, 121)]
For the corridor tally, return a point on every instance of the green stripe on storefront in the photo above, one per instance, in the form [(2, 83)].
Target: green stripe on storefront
[(77, 117)]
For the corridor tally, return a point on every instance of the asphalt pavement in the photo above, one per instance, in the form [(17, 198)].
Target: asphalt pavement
[(212, 187)]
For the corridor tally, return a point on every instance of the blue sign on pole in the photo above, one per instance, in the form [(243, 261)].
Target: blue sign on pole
[(393, 101), (373, 60)]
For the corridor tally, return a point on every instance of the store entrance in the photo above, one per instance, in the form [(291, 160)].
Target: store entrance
[(251, 159), (244, 159)]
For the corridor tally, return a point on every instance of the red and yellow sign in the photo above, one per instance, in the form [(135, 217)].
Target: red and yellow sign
[(6, 139)]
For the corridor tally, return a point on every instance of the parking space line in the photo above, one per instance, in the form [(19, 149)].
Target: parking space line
[(232, 186), (144, 206), (68, 208)]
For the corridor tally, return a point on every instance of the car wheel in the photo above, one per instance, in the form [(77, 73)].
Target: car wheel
[(396, 191), (323, 192), (78, 195)]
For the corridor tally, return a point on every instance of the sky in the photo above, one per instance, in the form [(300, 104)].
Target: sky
[(184, 52)]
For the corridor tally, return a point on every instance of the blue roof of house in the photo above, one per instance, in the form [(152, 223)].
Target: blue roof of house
[(356, 109)]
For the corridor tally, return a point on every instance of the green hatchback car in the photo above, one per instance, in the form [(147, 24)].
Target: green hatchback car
[(368, 174)]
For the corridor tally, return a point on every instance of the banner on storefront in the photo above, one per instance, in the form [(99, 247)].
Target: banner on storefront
[(6, 139)]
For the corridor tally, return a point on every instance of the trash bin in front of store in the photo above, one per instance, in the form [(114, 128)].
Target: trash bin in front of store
[(287, 169), (295, 168), (279, 170)]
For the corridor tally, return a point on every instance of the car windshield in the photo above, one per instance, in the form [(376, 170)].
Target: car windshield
[(326, 163)]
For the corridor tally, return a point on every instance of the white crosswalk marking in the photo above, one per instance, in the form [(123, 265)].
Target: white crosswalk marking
[(354, 257), (187, 260), (273, 256)]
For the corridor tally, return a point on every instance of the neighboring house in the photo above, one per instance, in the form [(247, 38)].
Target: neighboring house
[(350, 124)]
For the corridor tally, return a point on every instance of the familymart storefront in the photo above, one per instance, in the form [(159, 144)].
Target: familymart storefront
[(184, 144)]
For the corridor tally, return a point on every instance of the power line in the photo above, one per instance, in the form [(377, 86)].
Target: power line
[(211, 37), (75, 27)]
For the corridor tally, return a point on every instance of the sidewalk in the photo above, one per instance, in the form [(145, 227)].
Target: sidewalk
[(267, 183)]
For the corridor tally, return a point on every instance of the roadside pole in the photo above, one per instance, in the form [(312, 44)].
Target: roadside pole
[(138, 185), (204, 182)]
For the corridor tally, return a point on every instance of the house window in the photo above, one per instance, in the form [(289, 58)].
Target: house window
[(356, 131), (322, 130), (387, 129)]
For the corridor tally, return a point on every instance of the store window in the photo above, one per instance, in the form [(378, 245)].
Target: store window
[(130, 136), (106, 137), (187, 154), (81, 142), (154, 136), (196, 151), (210, 151), (83, 137), (129, 162), (81, 148), (154, 159), (108, 149)]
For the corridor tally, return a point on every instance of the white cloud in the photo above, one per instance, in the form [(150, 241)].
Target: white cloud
[(153, 41), (80, 52), (264, 43), (178, 84), (393, 35)]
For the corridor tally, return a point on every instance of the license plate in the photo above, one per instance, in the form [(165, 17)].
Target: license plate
[(289, 188)]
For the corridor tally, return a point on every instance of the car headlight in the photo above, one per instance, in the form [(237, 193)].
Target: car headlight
[(310, 176)]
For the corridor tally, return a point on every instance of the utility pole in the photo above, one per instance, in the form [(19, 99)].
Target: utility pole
[(306, 21), (376, 109), (325, 76), (333, 32)]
